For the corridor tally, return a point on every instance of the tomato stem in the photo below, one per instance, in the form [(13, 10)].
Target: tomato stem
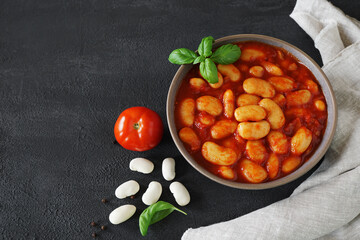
[(136, 126)]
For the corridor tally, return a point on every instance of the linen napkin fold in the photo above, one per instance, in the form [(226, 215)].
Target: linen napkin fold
[(327, 204)]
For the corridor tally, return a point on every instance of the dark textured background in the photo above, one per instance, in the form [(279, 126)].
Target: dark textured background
[(68, 69)]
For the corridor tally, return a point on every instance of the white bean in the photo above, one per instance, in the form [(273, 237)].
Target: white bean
[(320, 105), (218, 155), (250, 113), (141, 165), (259, 87), (127, 189), (187, 112), (152, 193), (301, 140), (168, 169), (272, 68), (230, 71), (249, 54), (253, 130), (181, 194), (209, 104), (275, 115), (188, 136), (121, 214), (226, 172), (223, 128)]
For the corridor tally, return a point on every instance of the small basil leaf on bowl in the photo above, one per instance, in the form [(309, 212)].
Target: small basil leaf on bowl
[(182, 56), (208, 71), (199, 59), (154, 213), (226, 54), (205, 46)]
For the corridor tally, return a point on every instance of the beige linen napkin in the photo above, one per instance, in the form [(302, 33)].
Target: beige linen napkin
[(327, 204)]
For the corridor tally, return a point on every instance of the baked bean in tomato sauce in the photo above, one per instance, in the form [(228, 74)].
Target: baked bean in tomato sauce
[(262, 121)]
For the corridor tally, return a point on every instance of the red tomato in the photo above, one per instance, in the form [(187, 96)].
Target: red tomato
[(138, 129)]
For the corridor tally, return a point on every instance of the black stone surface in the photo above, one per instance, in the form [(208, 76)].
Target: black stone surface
[(68, 69)]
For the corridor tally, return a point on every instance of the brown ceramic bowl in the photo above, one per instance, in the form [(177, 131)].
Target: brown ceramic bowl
[(303, 58)]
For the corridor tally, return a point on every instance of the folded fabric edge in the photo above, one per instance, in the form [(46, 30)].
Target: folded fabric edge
[(346, 51), (304, 20), (329, 42)]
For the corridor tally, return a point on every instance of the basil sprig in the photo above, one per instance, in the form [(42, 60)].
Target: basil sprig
[(154, 213), (199, 59), (205, 46), (225, 54), (182, 56), (209, 71)]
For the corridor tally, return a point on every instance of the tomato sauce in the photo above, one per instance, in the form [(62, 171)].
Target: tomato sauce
[(305, 115)]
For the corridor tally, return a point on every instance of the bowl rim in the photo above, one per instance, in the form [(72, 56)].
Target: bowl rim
[(306, 167)]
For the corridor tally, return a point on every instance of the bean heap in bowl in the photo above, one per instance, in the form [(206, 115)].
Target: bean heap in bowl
[(263, 119)]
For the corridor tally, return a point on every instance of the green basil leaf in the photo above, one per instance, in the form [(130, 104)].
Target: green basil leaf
[(208, 71), (182, 56), (155, 213), (205, 46), (199, 59), (226, 54)]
